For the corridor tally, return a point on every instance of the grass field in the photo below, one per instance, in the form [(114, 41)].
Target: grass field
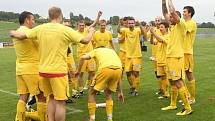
[(145, 107)]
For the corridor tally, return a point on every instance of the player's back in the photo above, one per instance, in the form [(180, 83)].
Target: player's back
[(106, 57)]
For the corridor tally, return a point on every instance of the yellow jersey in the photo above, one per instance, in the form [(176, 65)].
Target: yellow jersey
[(102, 39), (175, 46), (122, 44), (105, 57), (84, 48), (132, 42), (53, 39), (155, 41), (27, 58), (191, 29), (161, 50)]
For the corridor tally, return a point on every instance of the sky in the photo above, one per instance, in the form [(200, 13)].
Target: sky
[(140, 9)]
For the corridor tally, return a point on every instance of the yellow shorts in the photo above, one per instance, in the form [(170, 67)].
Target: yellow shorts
[(122, 56), (175, 68), (88, 66), (71, 64), (133, 64), (107, 78), (29, 83), (58, 86), (188, 62), (161, 70)]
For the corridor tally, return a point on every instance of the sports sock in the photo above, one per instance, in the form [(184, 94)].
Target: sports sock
[(20, 111), (184, 97), (92, 111)]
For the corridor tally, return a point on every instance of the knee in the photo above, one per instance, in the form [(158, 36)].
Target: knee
[(24, 97)]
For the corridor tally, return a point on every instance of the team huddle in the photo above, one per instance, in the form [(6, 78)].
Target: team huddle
[(45, 65)]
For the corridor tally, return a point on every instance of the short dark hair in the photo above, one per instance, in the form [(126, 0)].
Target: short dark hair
[(131, 18), (178, 13), (23, 16), (125, 18), (165, 23), (190, 9)]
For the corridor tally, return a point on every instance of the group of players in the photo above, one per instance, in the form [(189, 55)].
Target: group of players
[(45, 61)]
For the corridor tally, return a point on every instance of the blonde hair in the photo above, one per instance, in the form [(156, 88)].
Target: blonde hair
[(54, 13)]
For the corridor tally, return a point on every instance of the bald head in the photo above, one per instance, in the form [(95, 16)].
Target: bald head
[(158, 20)]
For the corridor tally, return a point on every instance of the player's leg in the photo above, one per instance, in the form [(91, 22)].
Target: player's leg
[(23, 91)]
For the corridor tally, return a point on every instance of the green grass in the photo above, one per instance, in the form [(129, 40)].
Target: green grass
[(5, 27), (145, 107)]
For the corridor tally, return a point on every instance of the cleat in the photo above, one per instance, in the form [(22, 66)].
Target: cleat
[(70, 101), (76, 96), (135, 93), (86, 87), (191, 102), (81, 93), (180, 101), (169, 108), (184, 112)]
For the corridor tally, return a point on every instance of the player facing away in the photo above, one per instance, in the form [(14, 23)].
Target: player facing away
[(107, 78), (54, 39)]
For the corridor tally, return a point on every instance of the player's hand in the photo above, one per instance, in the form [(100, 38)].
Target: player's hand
[(12, 33), (120, 96), (151, 29), (100, 13)]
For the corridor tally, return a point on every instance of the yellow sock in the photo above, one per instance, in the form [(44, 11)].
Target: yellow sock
[(166, 86), (136, 83), (160, 84), (74, 86), (20, 112), (42, 111), (87, 82), (33, 115), (81, 89), (74, 83), (109, 109), (174, 95), (130, 80), (184, 97), (92, 111), (192, 89)]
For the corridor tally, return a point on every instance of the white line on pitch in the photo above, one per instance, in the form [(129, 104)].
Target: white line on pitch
[(73, 110)]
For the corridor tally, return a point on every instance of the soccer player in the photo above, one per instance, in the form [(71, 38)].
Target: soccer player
[(133, 53), (154, 43), (89, 65), (27, 73), (161, 56), (54, 39), (121, 40), (175, 59), (191, 28), (107, 77), (103, 37)]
